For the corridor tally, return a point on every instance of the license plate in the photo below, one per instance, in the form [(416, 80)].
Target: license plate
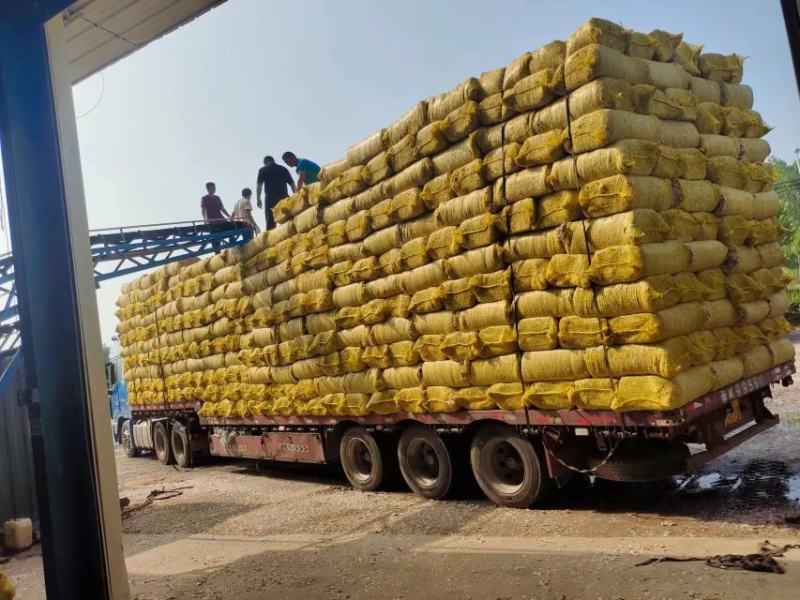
[(733, 413)]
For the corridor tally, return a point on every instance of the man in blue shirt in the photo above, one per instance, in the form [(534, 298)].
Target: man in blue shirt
[(307, 170)]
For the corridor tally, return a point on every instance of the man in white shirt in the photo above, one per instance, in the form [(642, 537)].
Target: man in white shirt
[(243, 210)]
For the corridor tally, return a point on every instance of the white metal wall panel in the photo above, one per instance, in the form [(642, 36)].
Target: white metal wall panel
[(100, 32)]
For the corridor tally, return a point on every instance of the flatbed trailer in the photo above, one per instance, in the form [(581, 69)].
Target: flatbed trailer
[(517, 457)]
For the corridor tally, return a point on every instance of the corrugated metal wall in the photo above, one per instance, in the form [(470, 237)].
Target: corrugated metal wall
[(17, 491)]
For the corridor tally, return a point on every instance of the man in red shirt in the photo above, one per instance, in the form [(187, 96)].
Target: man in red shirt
[(211, 205)]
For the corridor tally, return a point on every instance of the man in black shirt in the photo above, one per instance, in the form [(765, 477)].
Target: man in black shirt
[(274, 179)]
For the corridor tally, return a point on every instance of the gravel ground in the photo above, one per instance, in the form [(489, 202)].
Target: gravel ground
[(241, 530)]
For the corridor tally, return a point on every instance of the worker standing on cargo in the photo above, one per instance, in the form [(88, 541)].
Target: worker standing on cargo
[(214, 213), (243, 210), (275, 181), (211, 205), (307, 170)]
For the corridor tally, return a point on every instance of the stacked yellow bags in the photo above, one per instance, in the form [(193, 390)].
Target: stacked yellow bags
[(592, 225)]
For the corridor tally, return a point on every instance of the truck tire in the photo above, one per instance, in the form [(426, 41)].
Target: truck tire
[(181, 445), (361, 459), (126, 439), (507, 467), (161, 443), (425, 462)]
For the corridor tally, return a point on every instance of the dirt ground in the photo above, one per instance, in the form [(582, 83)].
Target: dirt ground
[(247, 532)]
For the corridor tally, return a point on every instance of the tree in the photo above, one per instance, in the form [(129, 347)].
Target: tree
[(787, 187), (106, 353)]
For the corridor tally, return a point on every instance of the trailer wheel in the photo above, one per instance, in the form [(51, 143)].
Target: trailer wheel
[(181, 445), (425, 462), (126, 439), (507, 467), (361, 458), (161, 444)]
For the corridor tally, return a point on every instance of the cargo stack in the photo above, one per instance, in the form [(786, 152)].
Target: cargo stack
[(592, 226)]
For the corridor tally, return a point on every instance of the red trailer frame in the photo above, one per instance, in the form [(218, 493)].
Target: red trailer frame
[(709, 420)]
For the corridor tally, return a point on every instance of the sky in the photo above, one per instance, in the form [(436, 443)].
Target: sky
[(257, 77)]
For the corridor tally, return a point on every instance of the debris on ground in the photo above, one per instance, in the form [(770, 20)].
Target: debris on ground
[(763, 561), (162, 494)]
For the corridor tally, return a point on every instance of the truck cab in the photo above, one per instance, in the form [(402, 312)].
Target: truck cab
[(117, 396)]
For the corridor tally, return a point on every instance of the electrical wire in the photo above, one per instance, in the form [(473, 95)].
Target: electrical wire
[(100, 99)]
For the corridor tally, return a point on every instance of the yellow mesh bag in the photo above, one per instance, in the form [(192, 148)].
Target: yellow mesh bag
[(428, 300), (557, 208), (383, 403), (435, 323), (528, 183), (543, 148), (655, 327), (445, 373), (454, 211), (414, 254), (535, 245), (548, 395), (403, 153), (649, 295), (538, 333), (620, 193), (473, 398), (439, 399), (606, 126), (377, 169), (492, 287), (428, 347), (635, 227), (501, 162), (582, 332), (411, 400), (650, 392), (403, 354), (497, 340), (568, 270), (593, 394), (534, 90), (701, 346), (689, 287), (460, 121), (521, 216), (492, 110), (398, 378), (622, 264), (478, 231), (456, 155), (437, 191), (530, 274), (498, 369), (458, 293), (351, 359), (627, 157), (546, 303), (423, 277), (486, 315), (461, 345), (406, 205), (443, 243), (665, 359), (468, 178), (553, 365), (506, 396), (391, 262)]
